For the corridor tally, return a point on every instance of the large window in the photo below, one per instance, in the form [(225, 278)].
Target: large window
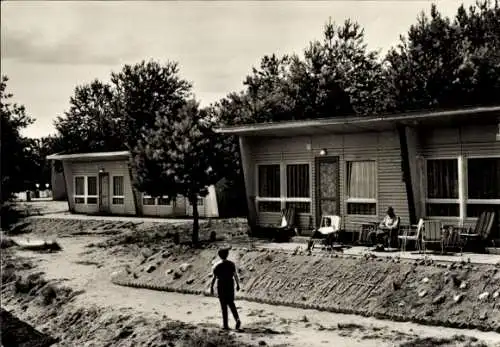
[(483, 185), (269, 188), (442, 188), (362, 187), (294, 191), (298, 191), (118, 190), (85, 190)]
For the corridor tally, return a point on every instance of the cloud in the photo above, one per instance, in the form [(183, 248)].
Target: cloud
[(31, 47)]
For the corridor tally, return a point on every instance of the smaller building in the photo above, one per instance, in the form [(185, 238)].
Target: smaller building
[(101, 183)]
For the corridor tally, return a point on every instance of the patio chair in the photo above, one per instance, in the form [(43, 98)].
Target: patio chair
[(327, 232), (412, 235), (287, 224), (482, 229), (432, 233)]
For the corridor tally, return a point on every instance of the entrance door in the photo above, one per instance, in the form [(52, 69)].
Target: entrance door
[(327, 187), (104, 192)]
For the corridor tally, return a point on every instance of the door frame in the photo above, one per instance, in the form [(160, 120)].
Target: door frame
[(317, 200), (107, 207)]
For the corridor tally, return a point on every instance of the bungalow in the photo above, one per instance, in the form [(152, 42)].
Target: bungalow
[(443, 165), (101, 183)]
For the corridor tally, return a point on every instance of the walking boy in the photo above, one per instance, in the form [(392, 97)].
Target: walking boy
[(224, 272)]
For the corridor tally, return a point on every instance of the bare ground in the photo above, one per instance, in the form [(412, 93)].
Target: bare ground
[(96, 312)]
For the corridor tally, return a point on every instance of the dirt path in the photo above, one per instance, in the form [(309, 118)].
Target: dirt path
[(90, 270)]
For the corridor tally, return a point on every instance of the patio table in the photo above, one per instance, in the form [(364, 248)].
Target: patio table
[(364, 229)]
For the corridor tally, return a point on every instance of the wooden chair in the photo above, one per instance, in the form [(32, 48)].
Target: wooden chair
[(412, 234), (432, 233), (481, 231)]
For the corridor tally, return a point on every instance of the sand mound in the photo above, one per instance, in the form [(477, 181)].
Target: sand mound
[(461, 295)]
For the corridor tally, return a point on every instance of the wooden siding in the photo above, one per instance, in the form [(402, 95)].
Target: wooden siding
[(383, 147), (113, 168)]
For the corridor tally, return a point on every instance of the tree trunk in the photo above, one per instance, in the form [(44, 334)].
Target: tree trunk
[(196, 222)]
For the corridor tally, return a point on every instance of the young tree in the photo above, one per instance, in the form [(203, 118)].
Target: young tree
[(179, 156), (92, 123), (15, 165)]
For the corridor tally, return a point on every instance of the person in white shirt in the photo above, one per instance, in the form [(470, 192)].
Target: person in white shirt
[(386, 226)]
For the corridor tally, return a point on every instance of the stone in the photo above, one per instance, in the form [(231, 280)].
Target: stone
[(169, 271), (177, 275), (425, 280), (401, 304), (190, 281), (438, 300), (483, 316), (422, 293), (483, 296), (463, 285), (184, 267), (457, 298), (495, 294), (150, 268)]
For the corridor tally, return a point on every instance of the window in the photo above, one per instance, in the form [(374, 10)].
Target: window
[(118, 190), (483, 185), (148, 200), (269, 188), (442, 188), (298, 192), (85, 190), (91, 190), (361, 187), (163, 201), (295, 191), (79, 190)]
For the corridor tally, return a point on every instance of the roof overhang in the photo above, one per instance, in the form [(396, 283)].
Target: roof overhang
[(119, 155), (351, 124)]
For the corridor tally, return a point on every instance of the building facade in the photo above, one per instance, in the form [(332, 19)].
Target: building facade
[(101, 183), (443, 165)]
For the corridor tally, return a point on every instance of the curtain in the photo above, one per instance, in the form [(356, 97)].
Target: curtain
[(362, 180)]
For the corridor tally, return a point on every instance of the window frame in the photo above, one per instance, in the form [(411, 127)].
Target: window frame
[(87, 195), (113, 195), (463, 182), (283, 199), (348, 200), (475, 201), (156, 199), (79, 196), (443, 201)]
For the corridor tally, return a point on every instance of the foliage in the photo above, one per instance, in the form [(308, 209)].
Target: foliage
[(444, 63), (178, 156), (15, 165), (145, 90), (92, 123)]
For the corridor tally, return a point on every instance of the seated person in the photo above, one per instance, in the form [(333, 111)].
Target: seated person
[(329, 237), (386, 226)]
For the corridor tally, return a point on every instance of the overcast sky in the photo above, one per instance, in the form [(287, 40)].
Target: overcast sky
[(49, 47)]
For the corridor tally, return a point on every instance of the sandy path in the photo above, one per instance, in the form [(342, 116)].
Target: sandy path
[(91, 272)]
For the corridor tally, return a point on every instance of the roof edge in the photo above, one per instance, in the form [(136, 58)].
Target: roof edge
[(406, 116), (102, 155)]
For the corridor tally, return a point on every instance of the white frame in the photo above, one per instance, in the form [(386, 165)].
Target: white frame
[(155, 200), (113, 196), (87, 196), (466, 185), (348, 200), (79, 196), (283, 199), (463, 183)]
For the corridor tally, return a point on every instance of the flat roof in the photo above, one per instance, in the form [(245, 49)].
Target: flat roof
[(90, 156), (363, 124)]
